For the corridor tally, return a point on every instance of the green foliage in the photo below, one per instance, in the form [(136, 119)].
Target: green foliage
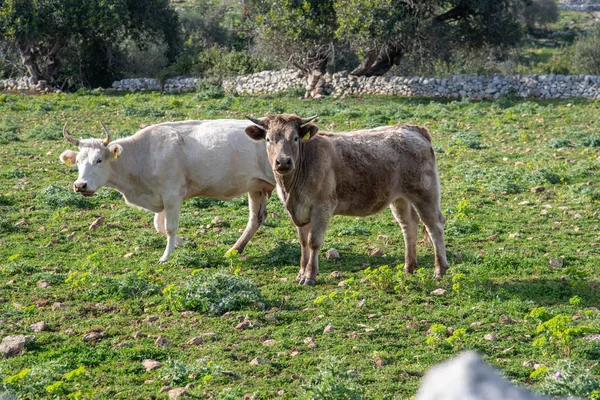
[(55, 196), (384, 278), (129, 286), (206, 89), (332, 383), (571, 379), (9, 131), (541, 12), (560, 142), (586, 53), (469, 139), (220, 63), (560, 331), (49, 131), (216, 293), (178, 373)]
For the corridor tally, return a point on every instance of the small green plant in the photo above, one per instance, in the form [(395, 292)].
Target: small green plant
[(215, 293), (570, 379), (178, 373), (384, 278), (560, 142), (45, 132), (54, 196), (208, 89), (9, 131), (332, 383), (457, 338), (437, 333), (469, 139), (560, 331)]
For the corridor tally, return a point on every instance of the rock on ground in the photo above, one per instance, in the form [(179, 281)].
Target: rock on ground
[(13, 345), (469, 377)]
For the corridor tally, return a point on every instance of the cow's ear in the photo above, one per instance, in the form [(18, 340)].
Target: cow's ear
[(255, 132), (115, 149), (69, 157), (307, 132)]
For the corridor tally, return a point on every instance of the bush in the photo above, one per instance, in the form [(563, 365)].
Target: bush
[(332, 383), (219, 63), (9, 131), (586, 53), (208, 89), (541, 12), (55, 196), (570, 379), (217, 293), (129, 286), (591, 141)]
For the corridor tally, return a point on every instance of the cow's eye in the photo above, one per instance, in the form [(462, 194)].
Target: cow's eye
[(98, 162), (296, 139)]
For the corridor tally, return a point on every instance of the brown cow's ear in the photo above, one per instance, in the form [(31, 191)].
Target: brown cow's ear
[(255, 132), (69, 157), (309, 131)]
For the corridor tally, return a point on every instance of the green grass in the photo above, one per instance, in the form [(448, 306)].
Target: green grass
[(500, 239)]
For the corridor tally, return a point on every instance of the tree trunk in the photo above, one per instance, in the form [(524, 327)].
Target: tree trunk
[(378, 61), (54, 60), (29, 61)]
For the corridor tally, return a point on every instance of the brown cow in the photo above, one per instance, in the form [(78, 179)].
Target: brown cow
[(356, 173)]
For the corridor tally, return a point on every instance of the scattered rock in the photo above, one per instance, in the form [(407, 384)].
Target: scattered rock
[(161, 342), (150, 365), (332, 254), (137, 335), (177, 393), (439, 292), (490, 336), (198, 340), (245, 324), (506, 320), (380, 362), (69, 331), (13, 345), (259, 361), (493, 237), (96, 224), (93, 336), (537, 189), (336, 275), (269, 342), (556, 262), (59, 306), (151, 318), (38, 326), (187, 314), (43, 284), (328, 329), (514, 235), (165, 389), (376, 252)]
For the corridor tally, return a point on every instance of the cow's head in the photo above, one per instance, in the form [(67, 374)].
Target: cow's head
[(92, 160), (284, 134)]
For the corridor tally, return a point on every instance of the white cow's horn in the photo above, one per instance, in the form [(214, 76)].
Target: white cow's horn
[(68, 137), (108, 135), (304, 121), (258, 121)]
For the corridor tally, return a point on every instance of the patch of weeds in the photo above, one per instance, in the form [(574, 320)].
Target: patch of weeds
[(469, 139), (130, 286), (214, 293), (142, 112), (189, 259), (544, 175), (583, 190), (332, 383), (504, 181), (15, 173), (384, 278), (560, 142), (150, 240), (49, 131), (572, 380), (9, 131), (591, 141), (203, 202), (207, 89), (462, 227), (507, 100), (54, 196), (5, 200), (108, 194), (5, 225), (178, 373)]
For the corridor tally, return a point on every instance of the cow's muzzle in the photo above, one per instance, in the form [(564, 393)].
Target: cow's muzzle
[(81, 188), (284, 165)]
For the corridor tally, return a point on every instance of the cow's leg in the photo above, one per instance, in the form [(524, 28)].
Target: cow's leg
[(303, 233), (408, 219), (172, 209), (159, 224), (316, 237), (257, 202), (429, 210)]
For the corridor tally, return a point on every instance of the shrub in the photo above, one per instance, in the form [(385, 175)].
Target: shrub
[(5, 225), (503, 181), (208, 89), (219, 63), (469, 139), (9, 131), (572, 380), (216, 293), (586, 53), (129, 286), (591, 141), (560, 142), (178, 373), (49, 131), (541, 12), (55, 196), (332, 383)]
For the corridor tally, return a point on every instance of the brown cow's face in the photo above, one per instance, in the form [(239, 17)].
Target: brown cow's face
[(284, 135), (92, 161)]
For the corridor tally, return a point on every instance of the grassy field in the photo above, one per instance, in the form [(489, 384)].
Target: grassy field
[(522, 288)]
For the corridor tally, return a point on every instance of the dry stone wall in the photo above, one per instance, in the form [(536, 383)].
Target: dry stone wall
[(458, 86)]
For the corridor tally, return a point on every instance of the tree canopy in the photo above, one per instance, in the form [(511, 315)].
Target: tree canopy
[(42, 31)]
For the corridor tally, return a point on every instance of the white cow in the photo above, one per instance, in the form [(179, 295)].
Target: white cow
[(163, 165)]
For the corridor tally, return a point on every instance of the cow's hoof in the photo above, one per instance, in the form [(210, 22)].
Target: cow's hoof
[(162, 260), (308, 282), (299, 277)]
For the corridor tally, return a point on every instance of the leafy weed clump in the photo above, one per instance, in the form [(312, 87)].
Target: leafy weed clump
[(207, 89), (9, 131), (560, 142), (469, 139), (591, 141), (5, 225), (55, 196), (504, 181), (544, 175), (570, 379), (45, 132), (130, 286), (215, 293), (332, 382)]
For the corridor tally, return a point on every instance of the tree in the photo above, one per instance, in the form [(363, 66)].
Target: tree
[(42, 31), (301, 32), (382, 31), (541, 12)]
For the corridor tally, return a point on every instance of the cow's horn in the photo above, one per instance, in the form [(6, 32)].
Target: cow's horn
[(68, 137), (258, 121), (304, 121), (108, 135)]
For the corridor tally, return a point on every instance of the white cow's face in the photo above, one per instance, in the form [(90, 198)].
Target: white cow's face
[(93, 162)]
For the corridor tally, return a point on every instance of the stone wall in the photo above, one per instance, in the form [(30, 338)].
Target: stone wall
[(458, 86), (579, 5)]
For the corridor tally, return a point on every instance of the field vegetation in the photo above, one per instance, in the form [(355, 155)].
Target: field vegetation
[(520, 193)]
